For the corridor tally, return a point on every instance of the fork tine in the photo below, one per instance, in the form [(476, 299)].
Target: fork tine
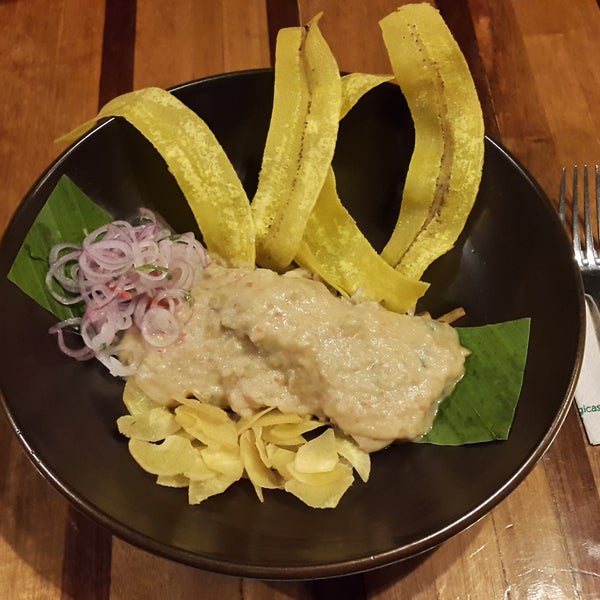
[(597, 203), (590, 252), (562, 212), (579, 257)]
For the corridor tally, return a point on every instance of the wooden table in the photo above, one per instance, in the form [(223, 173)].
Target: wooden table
[(534, 62)]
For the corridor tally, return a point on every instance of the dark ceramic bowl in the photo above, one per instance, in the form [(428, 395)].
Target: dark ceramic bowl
[(512, 261)]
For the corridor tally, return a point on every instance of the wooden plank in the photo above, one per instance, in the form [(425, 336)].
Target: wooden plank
[(571, 477), (50, 72), (31, 527), (280, 14), (561, 38), (87, 558), (467, 565), (118, 44), (527, 517), (138, 574), (198, 39), (174, 46), (51, 66), (458, 18), (352, 30), (522, 125)]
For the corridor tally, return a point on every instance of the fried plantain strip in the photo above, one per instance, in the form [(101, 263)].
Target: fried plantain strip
[(445, 170), (198, 163), (356, 85), (300, 142), (334, 248)]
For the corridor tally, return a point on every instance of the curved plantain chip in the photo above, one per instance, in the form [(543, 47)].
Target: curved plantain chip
[(445, 170), (356, 85), (334, 248), (300, 142), (198, 163)]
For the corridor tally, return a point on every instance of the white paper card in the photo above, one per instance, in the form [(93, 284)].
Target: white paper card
[(587, 392)]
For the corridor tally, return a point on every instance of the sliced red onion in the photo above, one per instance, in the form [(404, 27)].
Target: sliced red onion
[(159, 327), (127, 275), (83, 353)]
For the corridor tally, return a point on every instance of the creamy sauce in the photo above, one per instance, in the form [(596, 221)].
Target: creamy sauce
[(257, 339)]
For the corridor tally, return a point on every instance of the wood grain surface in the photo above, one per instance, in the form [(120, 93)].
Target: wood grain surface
[(534, 62)]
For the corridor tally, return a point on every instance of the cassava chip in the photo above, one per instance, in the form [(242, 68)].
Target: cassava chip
[(259, 474), (339, 471), (207, 423), (266, 417), (135, 400), (279, 459), (289, 434), (200, 490), (171, 457), (174, 481), (319, 455), (151, 426), (358, 458), (322, 493), (199, 470), (224, 459)]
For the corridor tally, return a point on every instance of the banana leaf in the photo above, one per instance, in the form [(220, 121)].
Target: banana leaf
[(67, 216), (482, 406)]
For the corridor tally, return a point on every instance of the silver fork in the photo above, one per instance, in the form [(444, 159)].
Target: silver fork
[(585, 249)]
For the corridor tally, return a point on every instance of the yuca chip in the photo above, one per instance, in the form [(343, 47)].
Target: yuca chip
[(356, 457), (224, 459), (135, 400), (174, 481), (259, 474), (279, 459), (207, 423), (319, 455), (322, 490), (171, 457), (199, 470), (200, 490), (289, 434), (266, 417), (300, 142), (276, 435), (339, 471), (261, 446), (197, 161), (151, 426)]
